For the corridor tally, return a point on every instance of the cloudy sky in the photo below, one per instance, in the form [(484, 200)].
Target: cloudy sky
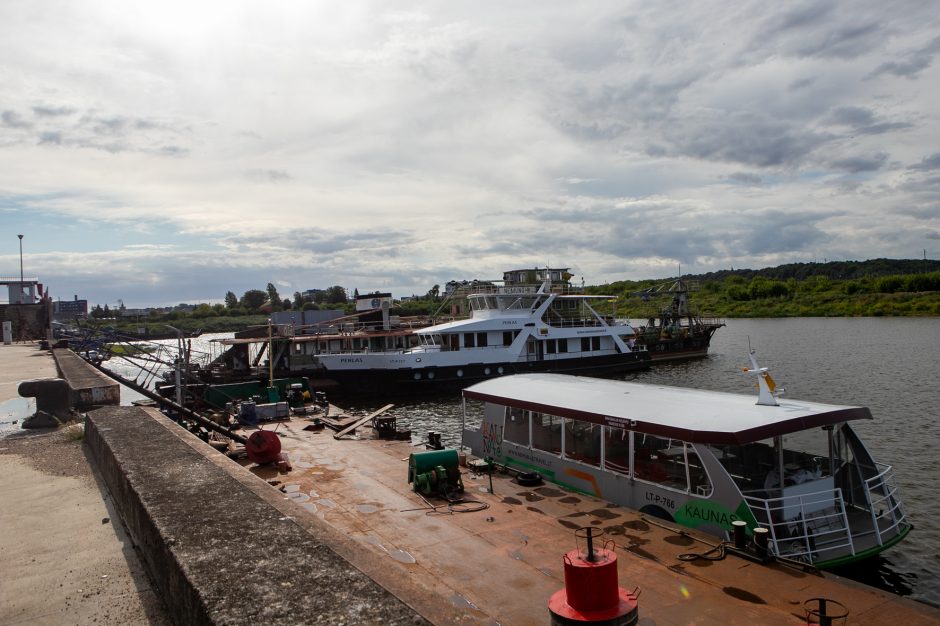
[(165, 152)]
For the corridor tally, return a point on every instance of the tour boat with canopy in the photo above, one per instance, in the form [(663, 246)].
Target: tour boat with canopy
[(701, 459)]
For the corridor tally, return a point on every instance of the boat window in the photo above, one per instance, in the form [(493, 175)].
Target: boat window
[(551, 346), (659, 460), (699, 484), (590, 343), (508, 336), (583, 442), (749, 465), (431, 340), (517, 426), (546, 432), (469, 340), (562, 345), (481, 340), (617, 450)]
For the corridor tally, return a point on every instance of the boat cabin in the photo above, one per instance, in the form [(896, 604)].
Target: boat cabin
[(701, 459)]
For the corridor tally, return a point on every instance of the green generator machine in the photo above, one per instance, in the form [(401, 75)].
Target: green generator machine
[(435, 473)]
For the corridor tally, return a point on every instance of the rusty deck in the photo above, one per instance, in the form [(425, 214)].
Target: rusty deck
[(500, 565)]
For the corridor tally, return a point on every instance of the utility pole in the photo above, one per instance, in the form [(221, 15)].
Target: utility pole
[(20, 298)]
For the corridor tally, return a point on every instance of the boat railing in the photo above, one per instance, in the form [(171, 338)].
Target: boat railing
[(487, 289), (354, 328), (884, 503), (802, 526), (579, 322), (683, 322), (710, 321)]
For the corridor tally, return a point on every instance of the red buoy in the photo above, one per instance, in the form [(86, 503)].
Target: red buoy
[(263, 446), (591, 594)]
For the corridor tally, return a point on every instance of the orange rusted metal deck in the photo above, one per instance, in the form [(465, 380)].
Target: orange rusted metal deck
[(500, 565)]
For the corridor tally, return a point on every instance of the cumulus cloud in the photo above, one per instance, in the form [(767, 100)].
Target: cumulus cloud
[(931, 162), (745, 178), (856, 164), (268, 176), (12, 119), (910, 64)]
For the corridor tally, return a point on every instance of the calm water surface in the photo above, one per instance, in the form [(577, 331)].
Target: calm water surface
[(886, 364)]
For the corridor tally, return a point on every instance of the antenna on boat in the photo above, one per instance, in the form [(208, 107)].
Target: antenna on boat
[(767, 388)]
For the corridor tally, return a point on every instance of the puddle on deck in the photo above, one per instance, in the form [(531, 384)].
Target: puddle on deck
[(14, 411), (399, 555)]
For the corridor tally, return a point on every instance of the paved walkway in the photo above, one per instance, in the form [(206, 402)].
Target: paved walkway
[(66, 558)]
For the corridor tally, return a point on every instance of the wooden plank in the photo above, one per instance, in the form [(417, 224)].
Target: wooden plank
[(362, 421)]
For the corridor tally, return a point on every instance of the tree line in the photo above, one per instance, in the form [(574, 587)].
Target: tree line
[(268, 300)]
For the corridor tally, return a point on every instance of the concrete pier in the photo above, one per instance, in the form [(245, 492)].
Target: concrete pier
[(218, 550)]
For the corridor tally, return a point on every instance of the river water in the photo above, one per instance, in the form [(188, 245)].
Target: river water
[(886, 364)]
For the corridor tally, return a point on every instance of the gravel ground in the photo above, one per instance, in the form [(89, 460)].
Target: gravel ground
[(57, 452)]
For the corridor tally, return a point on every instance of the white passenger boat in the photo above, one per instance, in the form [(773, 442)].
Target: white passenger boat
[(701, 459), (513, 328)]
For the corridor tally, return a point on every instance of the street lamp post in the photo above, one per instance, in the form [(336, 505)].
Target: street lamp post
[(20, 299)]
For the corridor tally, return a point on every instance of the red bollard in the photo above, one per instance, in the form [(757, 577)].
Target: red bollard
[(592, 594)]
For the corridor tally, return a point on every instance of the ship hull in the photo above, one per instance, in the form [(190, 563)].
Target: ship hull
[(435, 379)]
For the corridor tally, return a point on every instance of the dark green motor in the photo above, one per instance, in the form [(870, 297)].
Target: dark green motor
[(435, 473)]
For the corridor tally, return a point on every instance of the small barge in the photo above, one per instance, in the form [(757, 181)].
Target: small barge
[(701, 459)]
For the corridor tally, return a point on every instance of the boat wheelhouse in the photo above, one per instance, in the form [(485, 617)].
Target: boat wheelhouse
[(701, 459)]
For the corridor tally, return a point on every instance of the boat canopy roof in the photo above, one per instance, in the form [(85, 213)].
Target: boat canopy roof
[(691, 415)]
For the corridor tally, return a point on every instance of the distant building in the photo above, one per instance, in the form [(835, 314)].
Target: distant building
[(69, 309), (304, 322), (310, 295), (29, 291)]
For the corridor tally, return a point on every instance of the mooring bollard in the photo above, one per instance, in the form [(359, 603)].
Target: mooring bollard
[(740, 534), (760, 542), (592, 592), (52, 402), (826, 612)]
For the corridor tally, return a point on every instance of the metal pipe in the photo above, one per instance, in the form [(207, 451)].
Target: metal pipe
[(173, 405), (590, 545), (20, 298)]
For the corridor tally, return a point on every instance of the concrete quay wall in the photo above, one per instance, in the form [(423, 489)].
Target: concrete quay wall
[(220, 547), (88, 387)]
